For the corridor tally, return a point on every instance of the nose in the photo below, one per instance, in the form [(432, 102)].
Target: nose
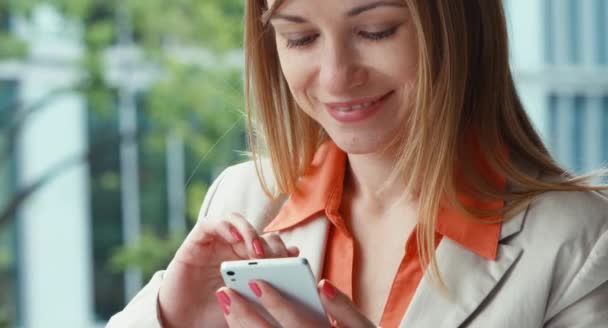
[(339, 70)]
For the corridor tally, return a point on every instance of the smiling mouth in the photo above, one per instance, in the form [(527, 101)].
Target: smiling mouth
[(345, 107)]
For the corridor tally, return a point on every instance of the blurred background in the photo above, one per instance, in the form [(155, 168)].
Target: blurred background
[(115, 116)]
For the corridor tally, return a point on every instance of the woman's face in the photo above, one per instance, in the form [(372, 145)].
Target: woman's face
[(351, 65)]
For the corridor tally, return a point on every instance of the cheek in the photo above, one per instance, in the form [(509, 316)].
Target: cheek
[(399, 63), (396, 60), (298, 76)]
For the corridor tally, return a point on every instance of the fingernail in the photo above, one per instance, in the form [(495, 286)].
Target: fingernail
[(328, 289), (226, 309), (236, 234), (257, 248), (255, 288), (334, 323), (224, 301)]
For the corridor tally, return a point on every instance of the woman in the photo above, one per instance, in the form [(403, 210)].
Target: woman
[(404, 168)]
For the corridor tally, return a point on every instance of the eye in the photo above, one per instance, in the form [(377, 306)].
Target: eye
[(309, 39), (301, 42), (375, 36)]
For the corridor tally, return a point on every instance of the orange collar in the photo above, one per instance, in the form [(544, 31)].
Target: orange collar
[(320, 190)]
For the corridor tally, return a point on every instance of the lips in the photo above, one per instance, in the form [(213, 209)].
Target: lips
[(356, 104), (357, 110)]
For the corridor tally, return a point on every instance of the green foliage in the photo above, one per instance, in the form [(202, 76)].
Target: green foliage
[(76, 8), (4, 317), (150, 254), (5, 257), (201, 102), (99, 34), (199, 99), (11, 47), (194, 194), (217, 24), (6, 288)]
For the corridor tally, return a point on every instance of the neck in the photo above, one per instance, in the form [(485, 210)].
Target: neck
[(366, 179)]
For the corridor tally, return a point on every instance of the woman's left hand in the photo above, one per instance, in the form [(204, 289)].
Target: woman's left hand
[(241, 313)]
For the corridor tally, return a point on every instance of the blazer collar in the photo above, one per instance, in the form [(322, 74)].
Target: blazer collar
[(319, 190), (469, 279)]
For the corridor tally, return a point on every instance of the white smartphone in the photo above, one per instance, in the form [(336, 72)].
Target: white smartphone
[(291, 276)]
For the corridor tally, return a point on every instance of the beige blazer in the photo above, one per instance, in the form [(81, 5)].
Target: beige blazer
[(551, 269)]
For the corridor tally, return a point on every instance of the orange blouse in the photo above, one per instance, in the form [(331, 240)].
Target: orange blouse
[(320, 191)]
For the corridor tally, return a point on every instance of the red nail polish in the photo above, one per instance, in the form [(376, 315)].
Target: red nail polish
[(225, 309), (236, 234), (255, 289), (257, 248), (223, 298), (328, 289)]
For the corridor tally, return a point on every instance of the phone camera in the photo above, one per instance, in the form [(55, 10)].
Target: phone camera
[(230, 273)]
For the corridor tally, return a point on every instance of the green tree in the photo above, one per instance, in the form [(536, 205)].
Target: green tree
[(198, 97)]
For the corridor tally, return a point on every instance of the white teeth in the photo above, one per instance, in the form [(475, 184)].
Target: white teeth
[(356, 107)]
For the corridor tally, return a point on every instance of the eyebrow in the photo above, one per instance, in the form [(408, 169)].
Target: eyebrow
[(351, 13)]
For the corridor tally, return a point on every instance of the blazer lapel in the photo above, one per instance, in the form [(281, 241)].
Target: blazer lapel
[(311, 239), (469, 278)]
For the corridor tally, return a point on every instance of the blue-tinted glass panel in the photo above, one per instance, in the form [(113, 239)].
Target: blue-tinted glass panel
[(602, 37), (8, 103), (605, 130), (9, 264), (574, 52), (106, 212), (152, 168), (549, 41), (4, 18), (579, 142), (553, 100)]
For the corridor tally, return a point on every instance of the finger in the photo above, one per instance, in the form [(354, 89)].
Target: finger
[(341, 308), (238, 311), (234, 237), (276, 245), (204, 232), (284, 310), (209, 230), (256, 247), (293, 251)]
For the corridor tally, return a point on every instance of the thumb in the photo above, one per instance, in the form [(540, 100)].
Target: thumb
[(340, 308)]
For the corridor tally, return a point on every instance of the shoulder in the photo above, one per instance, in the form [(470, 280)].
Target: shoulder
[(566, 224), (565, 238), (247, 170), (591, 201), (244, 178), (566, 215), (238, 189)]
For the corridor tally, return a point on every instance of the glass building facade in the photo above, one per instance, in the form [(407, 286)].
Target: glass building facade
[(560, 49)]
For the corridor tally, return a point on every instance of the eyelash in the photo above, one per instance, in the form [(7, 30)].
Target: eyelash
[(372, 36)]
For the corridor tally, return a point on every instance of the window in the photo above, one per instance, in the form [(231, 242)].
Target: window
[(106, 215), (576, 64), (605, 124), (602, 38), (106, 198), (8, 250)]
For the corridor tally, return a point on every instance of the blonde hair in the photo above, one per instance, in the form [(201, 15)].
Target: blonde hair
[(466, 107)]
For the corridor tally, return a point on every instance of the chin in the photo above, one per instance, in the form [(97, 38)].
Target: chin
[(360, 144)]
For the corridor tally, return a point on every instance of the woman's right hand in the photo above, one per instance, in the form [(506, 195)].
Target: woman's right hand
[(187, 293)]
